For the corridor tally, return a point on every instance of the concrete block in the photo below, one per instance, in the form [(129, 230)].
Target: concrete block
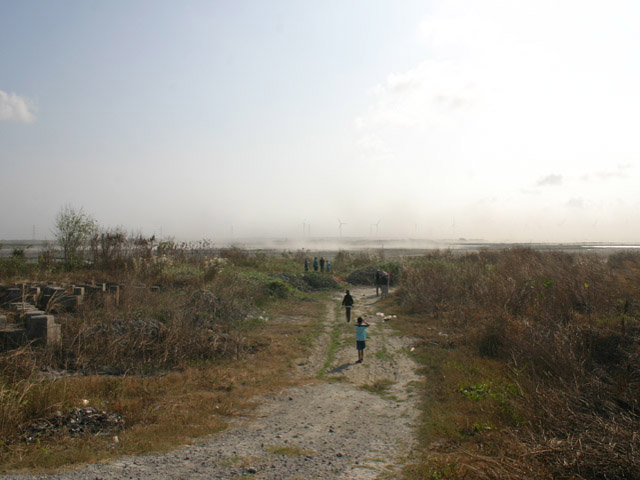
[(92, 290), (44, 301), (26, 317), (52, 290), (59, 303), (37, 332), (69, 302), (12, 295), (114, 289), (43, 330), (54, 335), (12, 338), (22, 307), (51, 297), (36, 321)]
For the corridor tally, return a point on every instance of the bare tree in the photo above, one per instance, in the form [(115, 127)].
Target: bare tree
[(74, 229)]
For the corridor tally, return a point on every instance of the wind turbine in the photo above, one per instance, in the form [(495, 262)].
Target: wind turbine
[(340, 224), (375, 225), (304, 227)]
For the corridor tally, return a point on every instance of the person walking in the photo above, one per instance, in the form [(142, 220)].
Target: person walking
[(377, 282), (347, 303), (385, 281), (328, 266), (361, 338), (306, 264), (322, 264), (315, 264)]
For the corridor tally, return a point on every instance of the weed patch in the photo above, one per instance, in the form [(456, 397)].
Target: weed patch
[(379, 387), (288, 450), (161, 410), (334, 343), (526, 355)]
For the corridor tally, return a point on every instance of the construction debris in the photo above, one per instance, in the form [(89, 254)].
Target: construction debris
[(76, 423)]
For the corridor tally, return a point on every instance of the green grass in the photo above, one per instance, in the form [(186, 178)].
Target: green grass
[(288, 450), (466, 400), (334, 344), (379, 387), (383, 355)]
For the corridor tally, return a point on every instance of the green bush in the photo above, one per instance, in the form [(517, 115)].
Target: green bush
[(319, 281)]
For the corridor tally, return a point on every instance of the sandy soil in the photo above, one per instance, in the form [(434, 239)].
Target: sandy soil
[(329, 429)]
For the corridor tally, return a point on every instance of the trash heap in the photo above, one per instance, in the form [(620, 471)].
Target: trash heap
[(76, 423)]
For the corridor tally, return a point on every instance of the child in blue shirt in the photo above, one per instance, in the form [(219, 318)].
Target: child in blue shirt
[(361, 337)]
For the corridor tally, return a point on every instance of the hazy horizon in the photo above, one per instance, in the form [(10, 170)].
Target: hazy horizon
[(506, 121)]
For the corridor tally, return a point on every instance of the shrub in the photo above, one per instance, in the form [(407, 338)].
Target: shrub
[(239, 257), (556, 319), (319, 281), (363, 276), (491, 340), (345, 261)]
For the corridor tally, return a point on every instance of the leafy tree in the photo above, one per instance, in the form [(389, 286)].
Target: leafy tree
[(74, 229)]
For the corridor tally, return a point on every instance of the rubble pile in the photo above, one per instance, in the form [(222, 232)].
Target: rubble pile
[(148, 328), (77, 422)]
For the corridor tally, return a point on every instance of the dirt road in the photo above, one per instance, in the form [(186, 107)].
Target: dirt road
[(344, 421)]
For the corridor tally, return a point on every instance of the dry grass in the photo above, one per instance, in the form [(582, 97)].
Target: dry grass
[(532, 364), (175, 364), (163, 410)]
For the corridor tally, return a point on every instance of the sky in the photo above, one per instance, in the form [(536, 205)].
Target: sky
[(500, 120)]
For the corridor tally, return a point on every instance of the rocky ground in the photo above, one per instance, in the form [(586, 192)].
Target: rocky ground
[(344, 420)]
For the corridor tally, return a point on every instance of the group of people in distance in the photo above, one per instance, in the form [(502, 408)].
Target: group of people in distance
[(321, 264), (382, 282)]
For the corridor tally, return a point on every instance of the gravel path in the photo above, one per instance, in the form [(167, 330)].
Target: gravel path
[(356, 423)]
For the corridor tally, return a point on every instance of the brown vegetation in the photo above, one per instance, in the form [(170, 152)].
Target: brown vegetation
[(173, 362), (541, 349)]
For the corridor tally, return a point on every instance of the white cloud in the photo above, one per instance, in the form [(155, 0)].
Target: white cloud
[(620, 172), (15, 108), (426, 96), (507, 92), (576, 203), (550, 180)]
